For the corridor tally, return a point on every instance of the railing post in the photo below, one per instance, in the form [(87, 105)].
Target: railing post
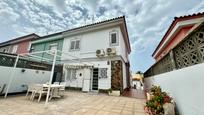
[(173, 60), (11, 76)]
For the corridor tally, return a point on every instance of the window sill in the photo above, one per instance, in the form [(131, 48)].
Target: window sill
[(74, 50), (116, 44)]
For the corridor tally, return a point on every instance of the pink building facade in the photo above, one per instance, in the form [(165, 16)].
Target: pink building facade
[(18, 45), (177, 31)]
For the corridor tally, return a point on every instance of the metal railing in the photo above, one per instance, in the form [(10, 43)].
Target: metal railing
[(8, 60)]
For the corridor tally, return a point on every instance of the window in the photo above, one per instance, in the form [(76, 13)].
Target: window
[(4, 50), (103, 73), (75, 45), (53, 47), (31, 49), (72, 45), (74, 74), (15, 48), (71, 74), (113, 38)]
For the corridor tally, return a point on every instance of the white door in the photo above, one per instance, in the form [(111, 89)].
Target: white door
[(86, 79)]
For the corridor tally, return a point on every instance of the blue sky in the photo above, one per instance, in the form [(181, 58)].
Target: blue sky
[(147, 20)]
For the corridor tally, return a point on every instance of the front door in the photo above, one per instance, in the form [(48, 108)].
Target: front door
[(86, 80), (95, 79)]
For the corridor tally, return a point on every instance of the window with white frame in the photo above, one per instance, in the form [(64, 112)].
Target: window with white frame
[(114, 38), (103, 73), (71, 74), (75, 45), (15, 48), (53, 47), (74, 74)]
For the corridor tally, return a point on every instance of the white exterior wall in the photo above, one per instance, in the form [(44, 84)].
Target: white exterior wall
[(92, 41), (75, 82), (22, 78), (123, 50), (103, 83), (185, 86), (124, 55), (89, 43), (124, 76)]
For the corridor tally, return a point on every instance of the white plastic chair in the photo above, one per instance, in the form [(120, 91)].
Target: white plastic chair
[(40, 91), (31, 89)]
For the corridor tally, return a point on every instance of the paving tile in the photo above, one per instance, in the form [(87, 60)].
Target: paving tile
[(91, 112), (125, 112), (73, 103), (115, 110), (106, 113), (128, 108), (139, 113)]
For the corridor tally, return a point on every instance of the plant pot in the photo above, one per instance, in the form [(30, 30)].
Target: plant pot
[(149, 96), (114, 93), (169, 109)]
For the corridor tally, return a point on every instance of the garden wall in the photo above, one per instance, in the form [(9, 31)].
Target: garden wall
[(22, 79), (185, 86)]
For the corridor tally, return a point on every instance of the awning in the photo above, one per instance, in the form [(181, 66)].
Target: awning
[(78, 66)]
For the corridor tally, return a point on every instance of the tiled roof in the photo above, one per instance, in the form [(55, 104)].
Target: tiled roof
[(81, 27), (89, 25), (190, 15), (177, 19), (15, 39), (95, 23)]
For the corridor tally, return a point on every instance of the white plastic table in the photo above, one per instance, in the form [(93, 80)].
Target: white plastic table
[(54, 90)]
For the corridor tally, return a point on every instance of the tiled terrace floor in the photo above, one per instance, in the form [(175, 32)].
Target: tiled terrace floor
[(135, 93), (74, 103)]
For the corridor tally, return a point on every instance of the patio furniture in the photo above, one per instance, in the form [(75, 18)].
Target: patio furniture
[(31, 89), (62, 89), (40, 90), (54, 90)]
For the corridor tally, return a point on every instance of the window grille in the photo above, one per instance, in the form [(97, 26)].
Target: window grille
[(103, 73)]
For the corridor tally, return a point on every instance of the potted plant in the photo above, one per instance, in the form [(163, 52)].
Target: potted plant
[(109, 91), (112, 92), (159, 103)]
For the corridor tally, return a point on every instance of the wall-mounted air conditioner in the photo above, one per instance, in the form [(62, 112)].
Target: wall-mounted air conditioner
[(111, 51), (100, 53)]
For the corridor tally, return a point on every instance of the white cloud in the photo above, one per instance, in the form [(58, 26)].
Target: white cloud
[(147, 20), (7, 15)]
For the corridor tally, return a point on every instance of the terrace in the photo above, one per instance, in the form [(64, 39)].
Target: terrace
[(73, 103)]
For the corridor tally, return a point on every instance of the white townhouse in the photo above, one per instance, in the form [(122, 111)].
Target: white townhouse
[(103, 49)]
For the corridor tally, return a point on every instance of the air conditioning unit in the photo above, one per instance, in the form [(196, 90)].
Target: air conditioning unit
[(111, 51), (100, 53)]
